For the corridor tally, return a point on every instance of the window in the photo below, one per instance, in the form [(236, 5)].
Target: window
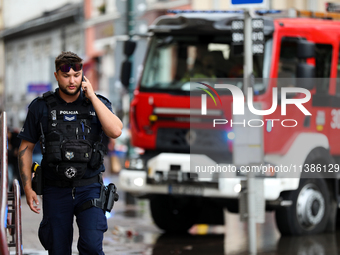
[(173, 59), (323, 60), (288, 59), (323, 63), (338, 76), (288, 63), (47, 47), (22, 52), (9, 55)]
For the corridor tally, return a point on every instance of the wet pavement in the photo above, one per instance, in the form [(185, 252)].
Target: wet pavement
[(131, 231)]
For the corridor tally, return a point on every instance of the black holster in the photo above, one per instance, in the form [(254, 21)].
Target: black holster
[(111, 196), (108, 195)]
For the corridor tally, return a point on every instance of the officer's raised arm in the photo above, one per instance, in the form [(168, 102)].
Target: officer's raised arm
[(25, 162), (111, 124)]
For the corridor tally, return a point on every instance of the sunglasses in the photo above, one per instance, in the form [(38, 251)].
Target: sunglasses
[(67, 67)]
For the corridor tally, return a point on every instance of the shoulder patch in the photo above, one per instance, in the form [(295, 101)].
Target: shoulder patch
[(102, 98), (35, 100), (48, 94)]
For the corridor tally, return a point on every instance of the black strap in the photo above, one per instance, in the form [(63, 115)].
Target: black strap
[(97, 202), (75, 183), (86, 205), (51, 103), (50, 99)]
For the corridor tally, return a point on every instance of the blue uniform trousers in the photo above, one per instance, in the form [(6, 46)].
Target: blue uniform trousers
[(56, 227)]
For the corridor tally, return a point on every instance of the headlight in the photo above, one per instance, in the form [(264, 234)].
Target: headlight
[(237, 188), (138, 182)]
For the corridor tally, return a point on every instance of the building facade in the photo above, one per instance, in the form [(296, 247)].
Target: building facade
[(33, 33), (30, 49)]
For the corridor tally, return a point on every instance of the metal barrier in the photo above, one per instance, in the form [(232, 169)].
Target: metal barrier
[(14, 221), (3, 187), (8, 210)]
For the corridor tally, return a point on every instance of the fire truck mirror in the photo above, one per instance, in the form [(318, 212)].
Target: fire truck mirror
[(307, 72), (305, 49), (304, 70), (129, 47)]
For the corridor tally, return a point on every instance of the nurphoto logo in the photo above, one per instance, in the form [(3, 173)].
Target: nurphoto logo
[(238, 105)]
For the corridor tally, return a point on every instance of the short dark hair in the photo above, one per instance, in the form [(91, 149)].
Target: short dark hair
[(66, 57)]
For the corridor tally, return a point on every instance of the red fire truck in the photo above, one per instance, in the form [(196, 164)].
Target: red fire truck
[(293, 47)]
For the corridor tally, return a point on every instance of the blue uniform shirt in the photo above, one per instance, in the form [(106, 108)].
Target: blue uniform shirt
[(38, 113)]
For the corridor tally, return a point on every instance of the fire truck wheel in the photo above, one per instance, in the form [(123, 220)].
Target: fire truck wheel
[(310, 209), (173, 214)]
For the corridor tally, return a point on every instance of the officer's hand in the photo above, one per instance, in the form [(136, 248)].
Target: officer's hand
[(87, 88), (32, 200)]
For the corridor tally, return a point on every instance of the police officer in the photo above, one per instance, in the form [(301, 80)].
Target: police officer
[(69, 123)]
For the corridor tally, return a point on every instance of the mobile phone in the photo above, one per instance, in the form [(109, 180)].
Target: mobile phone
[(82, 79)]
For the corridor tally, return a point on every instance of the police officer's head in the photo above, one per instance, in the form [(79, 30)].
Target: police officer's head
[(69, 70), (66, 57)]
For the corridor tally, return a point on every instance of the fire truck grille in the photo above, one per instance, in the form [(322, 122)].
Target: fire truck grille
[(212, 143)]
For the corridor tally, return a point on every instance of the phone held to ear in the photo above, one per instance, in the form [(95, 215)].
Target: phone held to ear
[(82, 79)]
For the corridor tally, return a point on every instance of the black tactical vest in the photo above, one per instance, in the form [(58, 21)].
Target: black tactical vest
[(68, 147)]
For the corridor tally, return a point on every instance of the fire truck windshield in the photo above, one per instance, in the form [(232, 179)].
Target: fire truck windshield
[(173, 59)]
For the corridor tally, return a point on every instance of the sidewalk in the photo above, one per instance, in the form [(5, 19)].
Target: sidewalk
[(130, 229)]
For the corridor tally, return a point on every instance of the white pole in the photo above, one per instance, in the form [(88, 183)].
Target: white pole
[(248, 70), (248, 53)]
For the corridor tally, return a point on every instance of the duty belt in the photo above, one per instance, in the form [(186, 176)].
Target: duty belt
[(75, 183)]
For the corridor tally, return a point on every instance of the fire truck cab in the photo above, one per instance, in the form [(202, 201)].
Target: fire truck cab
[(199, 45)]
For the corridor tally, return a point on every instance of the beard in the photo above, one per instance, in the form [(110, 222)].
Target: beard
[(65, 91)]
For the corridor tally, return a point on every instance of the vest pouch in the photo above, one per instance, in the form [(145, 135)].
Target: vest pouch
[(52, 147), (76, 151), (98, 152), (71, 171)]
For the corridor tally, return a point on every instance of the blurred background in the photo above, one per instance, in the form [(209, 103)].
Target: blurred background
[(34, 32)]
